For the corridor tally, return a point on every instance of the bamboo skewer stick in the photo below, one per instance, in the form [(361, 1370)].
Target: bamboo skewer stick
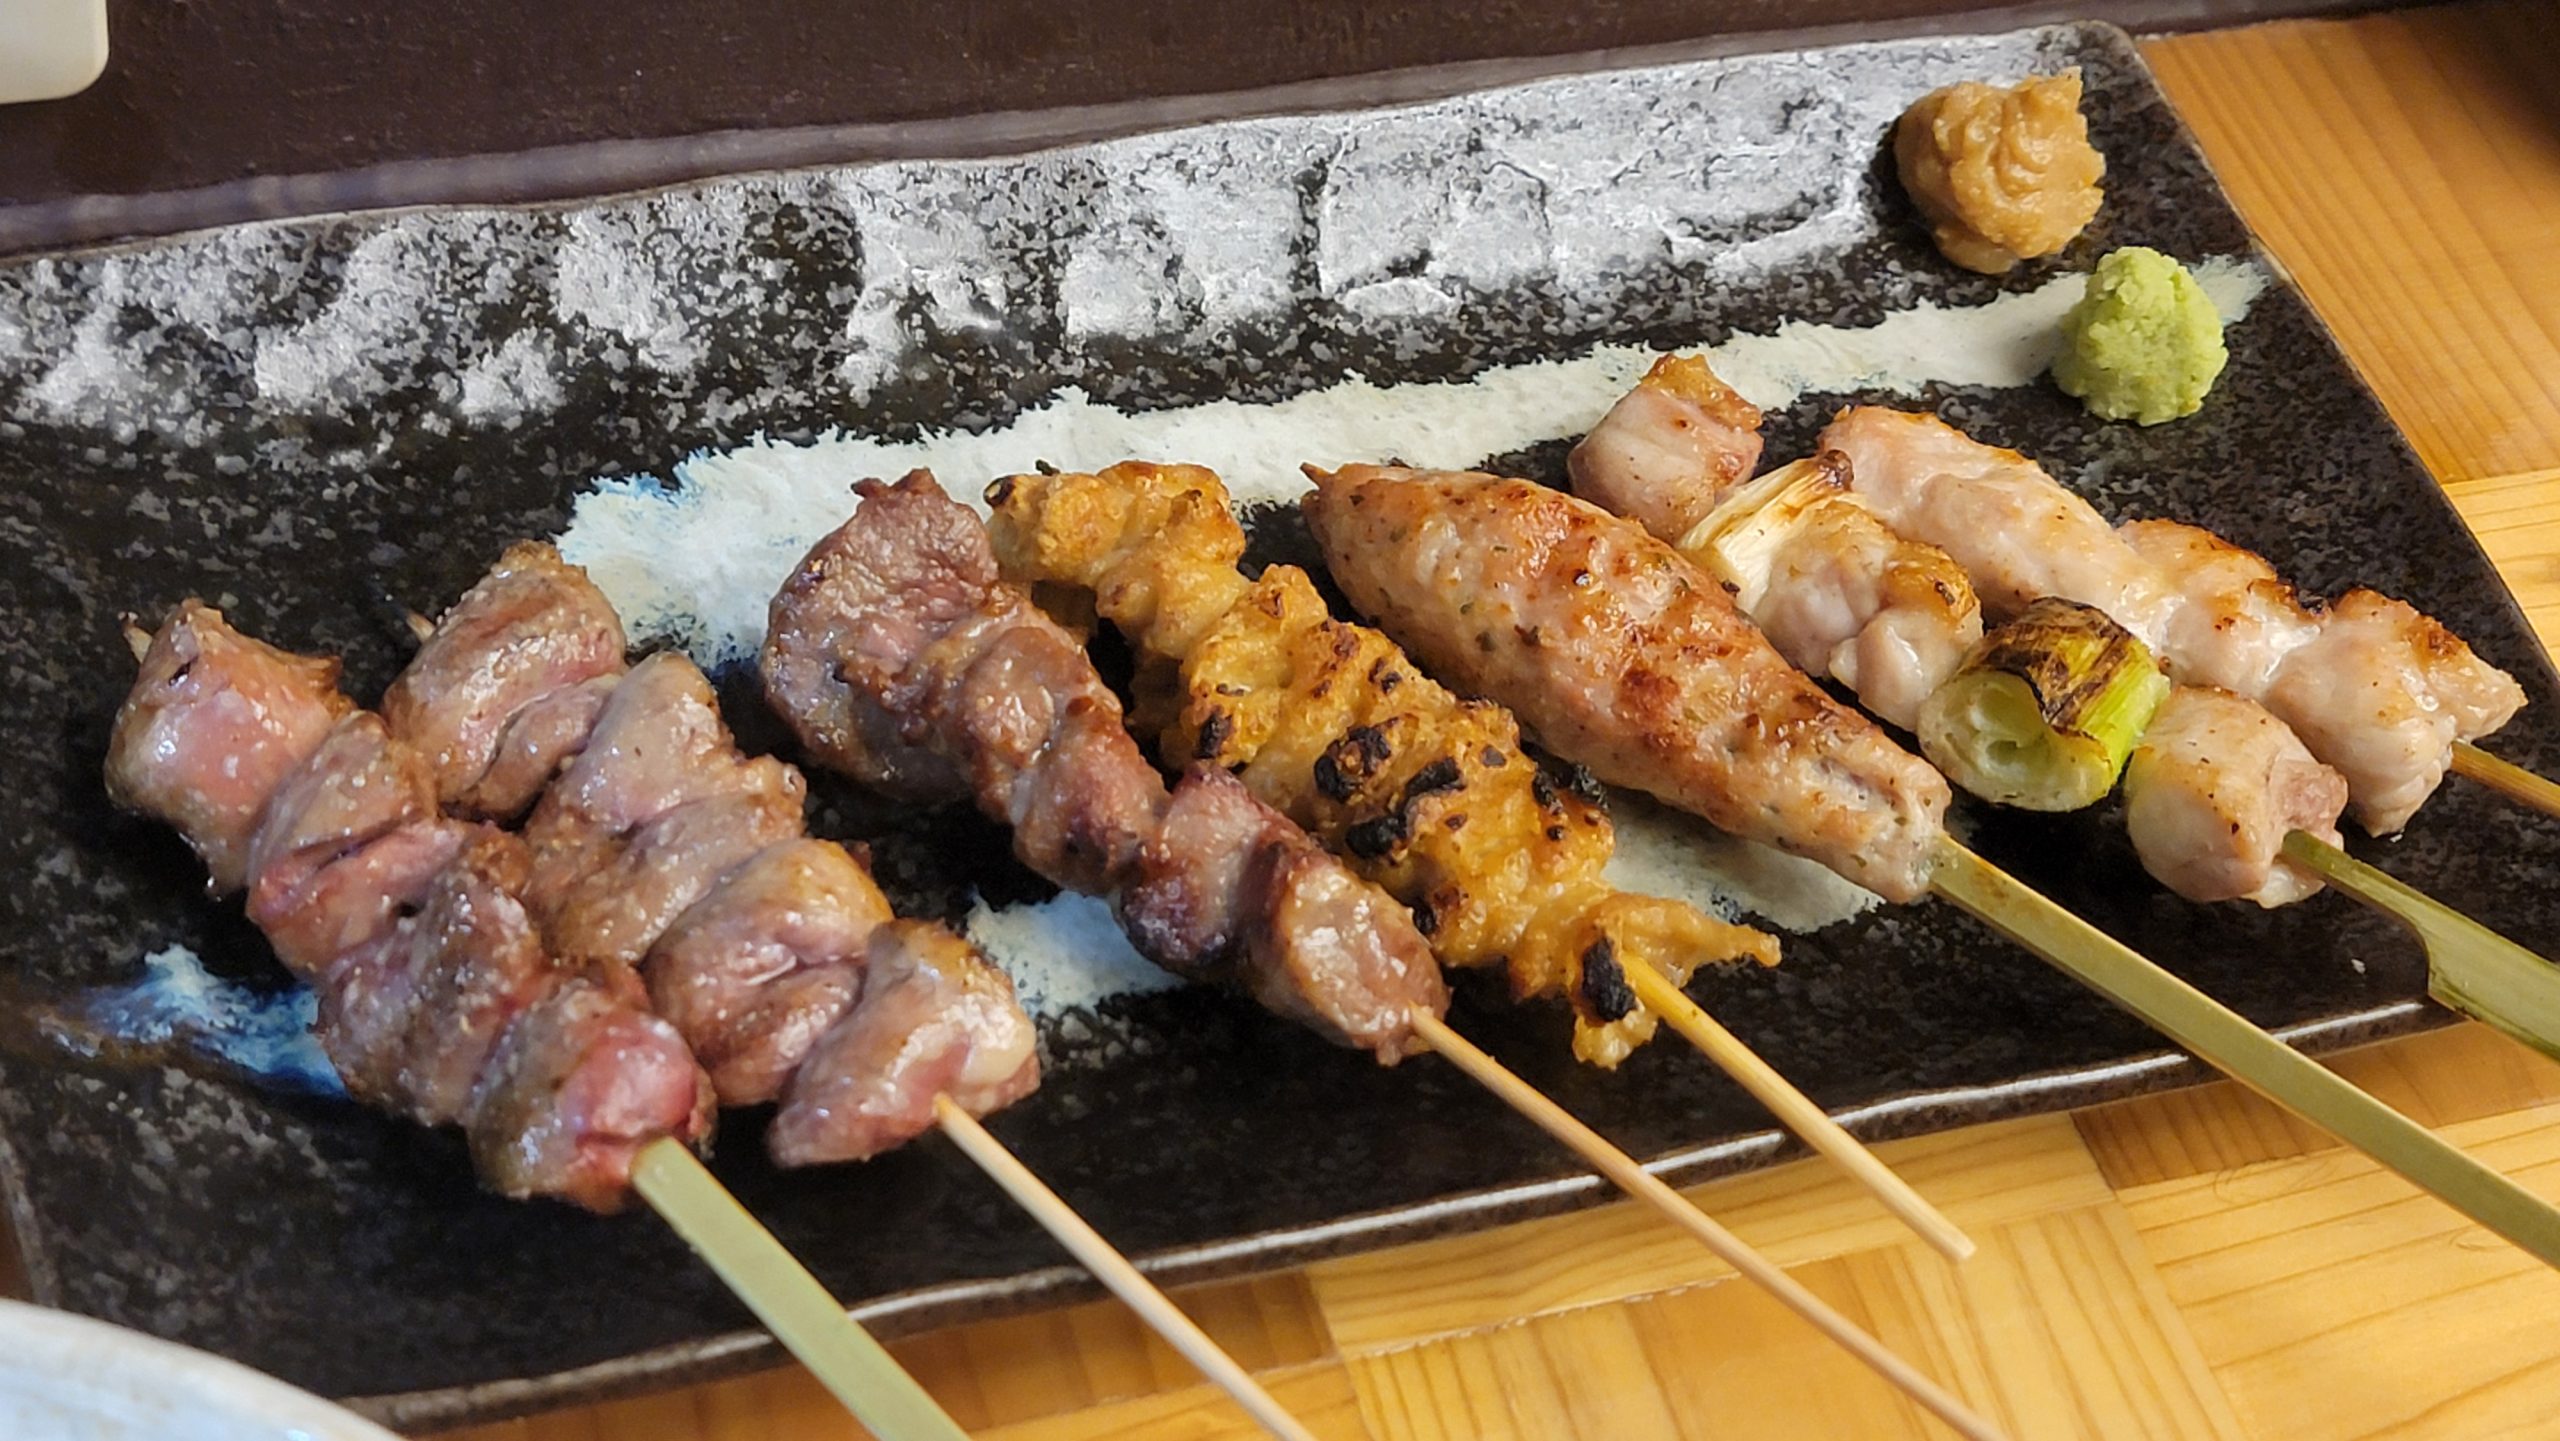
[(844, 1357), (2222, 1038), (2507, 778), (1114, 1270), (2470, 968), (1636, 1181), (1797, 1111)]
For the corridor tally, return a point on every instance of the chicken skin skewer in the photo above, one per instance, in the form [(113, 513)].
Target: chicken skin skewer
[(1428, 796)]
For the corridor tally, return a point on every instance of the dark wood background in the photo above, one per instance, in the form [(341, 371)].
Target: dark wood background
[(218, 110)]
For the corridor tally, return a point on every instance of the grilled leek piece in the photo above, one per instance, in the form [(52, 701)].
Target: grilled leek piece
[(2045, 710)]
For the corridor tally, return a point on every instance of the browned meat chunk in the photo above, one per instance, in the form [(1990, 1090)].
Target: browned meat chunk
[(758, 970), (935, 1019), (657, 807), (1230, 890), (1620, 654), (958, 676), (213, 725), (533, 626), (582, 1080), (349, 842), (410, 1018), (1670, 449)]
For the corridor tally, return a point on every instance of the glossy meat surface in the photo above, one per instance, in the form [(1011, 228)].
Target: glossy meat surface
[(582, 1080), (534, 625), (2382, 693), (347, 844), (1669, 449), (935, 1019), (1887, 617), (2237, 620), (2016, 531), (2211, 793), (1230, 890), (1620, 654), (411, 1018), (651, 813), (213, 724), (754, 973)]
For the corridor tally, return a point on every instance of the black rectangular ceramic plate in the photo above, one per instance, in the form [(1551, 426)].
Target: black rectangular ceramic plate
[(304, 419)]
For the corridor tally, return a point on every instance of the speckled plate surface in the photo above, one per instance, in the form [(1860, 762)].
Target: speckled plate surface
[(307, 421)]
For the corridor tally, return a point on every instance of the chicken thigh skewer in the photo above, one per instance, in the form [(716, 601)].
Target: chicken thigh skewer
[(1621, 654), (901, 657), (1430, 797), (436, 999), (2223, 800), (658, 844)]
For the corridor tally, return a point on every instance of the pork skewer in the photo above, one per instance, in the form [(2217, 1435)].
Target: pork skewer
[(900, 656), (657, 843), (1643, 670), (2224, 800), (437, 1000), (1430, 798)]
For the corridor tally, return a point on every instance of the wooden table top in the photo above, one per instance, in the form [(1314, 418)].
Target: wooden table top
[(2191, 1265)]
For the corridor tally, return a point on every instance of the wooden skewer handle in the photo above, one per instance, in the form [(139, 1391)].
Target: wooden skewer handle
[(1645, 1186), (2470, 968), (844, 1357), (2225, 1040), (1796, 1110), (1114, 1270), (2507, 778)]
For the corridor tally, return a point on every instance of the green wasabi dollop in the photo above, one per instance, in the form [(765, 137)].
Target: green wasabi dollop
[(2144, 343)]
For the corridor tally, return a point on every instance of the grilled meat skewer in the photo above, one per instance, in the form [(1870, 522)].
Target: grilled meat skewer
[(2373, 687), (1624, 656), (1430, 797), (899, 655), (437, 1000), (657, 845)]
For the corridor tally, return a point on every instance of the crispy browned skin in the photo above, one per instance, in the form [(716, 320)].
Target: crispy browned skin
[(1426, 795), (1620, 654), (533, 626), (897, 653), (436, 1000)]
